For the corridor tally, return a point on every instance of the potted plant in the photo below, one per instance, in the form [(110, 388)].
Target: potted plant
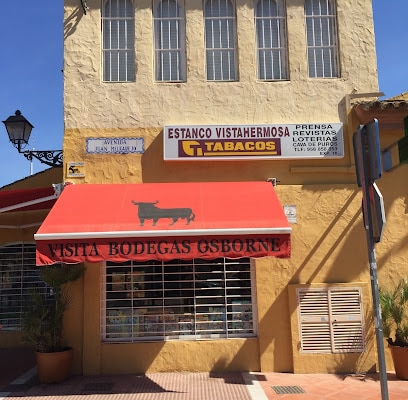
[(394, 313), (42, 322)]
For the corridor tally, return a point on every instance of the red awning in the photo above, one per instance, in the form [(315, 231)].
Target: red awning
[(164, 221), (27, 199)]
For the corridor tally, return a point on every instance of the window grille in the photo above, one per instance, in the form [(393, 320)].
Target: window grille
[(118, 33), (270, 22), (321, 32), (220, 40), (176, 300), (331, 320), (169, 32), (19, 277)]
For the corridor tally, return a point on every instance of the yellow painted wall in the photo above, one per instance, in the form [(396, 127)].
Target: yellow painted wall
[(328, 240), (328, 246), (90, 103)]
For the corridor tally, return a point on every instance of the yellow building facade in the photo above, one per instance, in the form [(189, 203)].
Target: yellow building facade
[(328, 244), (294, 327)]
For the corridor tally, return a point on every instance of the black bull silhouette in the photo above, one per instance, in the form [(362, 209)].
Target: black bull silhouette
[(150, 211)]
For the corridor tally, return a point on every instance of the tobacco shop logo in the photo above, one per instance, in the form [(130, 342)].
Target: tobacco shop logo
[(149, 210), (225, 148)]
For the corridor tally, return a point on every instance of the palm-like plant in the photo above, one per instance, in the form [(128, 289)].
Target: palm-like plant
[(43, 318), (394, 313)]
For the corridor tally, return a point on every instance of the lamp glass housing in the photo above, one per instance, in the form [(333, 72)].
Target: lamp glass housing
[(18, 129)]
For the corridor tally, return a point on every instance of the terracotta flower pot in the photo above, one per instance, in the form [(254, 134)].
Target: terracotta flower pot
[(400, 359), (54, 367)]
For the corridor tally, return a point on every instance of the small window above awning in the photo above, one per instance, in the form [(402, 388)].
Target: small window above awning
[(164, 221)]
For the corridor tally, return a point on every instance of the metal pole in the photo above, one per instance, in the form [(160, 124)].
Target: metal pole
[(377, 319), (374, 289)]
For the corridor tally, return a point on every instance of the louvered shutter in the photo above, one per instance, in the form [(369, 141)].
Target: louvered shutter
[(346, 320), (330, 320)]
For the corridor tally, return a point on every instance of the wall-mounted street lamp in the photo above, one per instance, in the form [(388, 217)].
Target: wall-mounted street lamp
[(19, 131)]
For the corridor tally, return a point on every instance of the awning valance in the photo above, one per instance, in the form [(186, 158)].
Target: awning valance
[(164, 221)]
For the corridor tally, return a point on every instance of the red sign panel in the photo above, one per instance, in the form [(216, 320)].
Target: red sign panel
[(162, 249)]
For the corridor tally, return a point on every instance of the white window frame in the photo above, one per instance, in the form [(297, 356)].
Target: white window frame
[(19, 278), (330, 320), (169, 41), (322, 38), (118, 41), (220, 40), (271, 40), (178, 300)]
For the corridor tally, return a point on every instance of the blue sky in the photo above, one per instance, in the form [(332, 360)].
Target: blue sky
[(31, 39)]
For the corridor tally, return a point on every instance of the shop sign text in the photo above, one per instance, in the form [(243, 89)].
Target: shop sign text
[(222, 142), (164, 249)]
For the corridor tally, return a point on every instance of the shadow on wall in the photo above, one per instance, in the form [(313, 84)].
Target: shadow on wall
[(333, 242), (71, 21), (329, 246)]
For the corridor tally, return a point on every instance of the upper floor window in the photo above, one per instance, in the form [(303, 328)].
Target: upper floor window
[(220, 40), (118, 38), (270, 24), (321, 32), (169, 41)]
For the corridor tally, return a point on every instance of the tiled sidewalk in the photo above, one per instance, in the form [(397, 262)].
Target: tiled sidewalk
[(193, 386), (332, 387), (209, 386)]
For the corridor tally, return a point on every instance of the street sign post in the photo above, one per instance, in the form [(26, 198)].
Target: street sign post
[(367, 158)]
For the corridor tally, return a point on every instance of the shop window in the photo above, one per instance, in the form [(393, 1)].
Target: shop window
[(330, 320), (321, 32), (19, 277), (270, 22), (118, 32), (220, 40), (177, 300), (169, 41)]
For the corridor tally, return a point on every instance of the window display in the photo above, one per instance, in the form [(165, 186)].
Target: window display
[(177, 300)]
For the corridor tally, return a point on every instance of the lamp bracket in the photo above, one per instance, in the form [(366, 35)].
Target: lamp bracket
[(84, 6), (53, 158)]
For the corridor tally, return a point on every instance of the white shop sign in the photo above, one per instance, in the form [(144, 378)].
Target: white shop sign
[(233, 142), (117, 145)]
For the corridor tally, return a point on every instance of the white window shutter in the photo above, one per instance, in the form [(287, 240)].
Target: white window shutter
[(330, 320), (347, 320), (314, 321)]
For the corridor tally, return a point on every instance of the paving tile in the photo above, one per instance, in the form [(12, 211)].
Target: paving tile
[(197, 386)]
